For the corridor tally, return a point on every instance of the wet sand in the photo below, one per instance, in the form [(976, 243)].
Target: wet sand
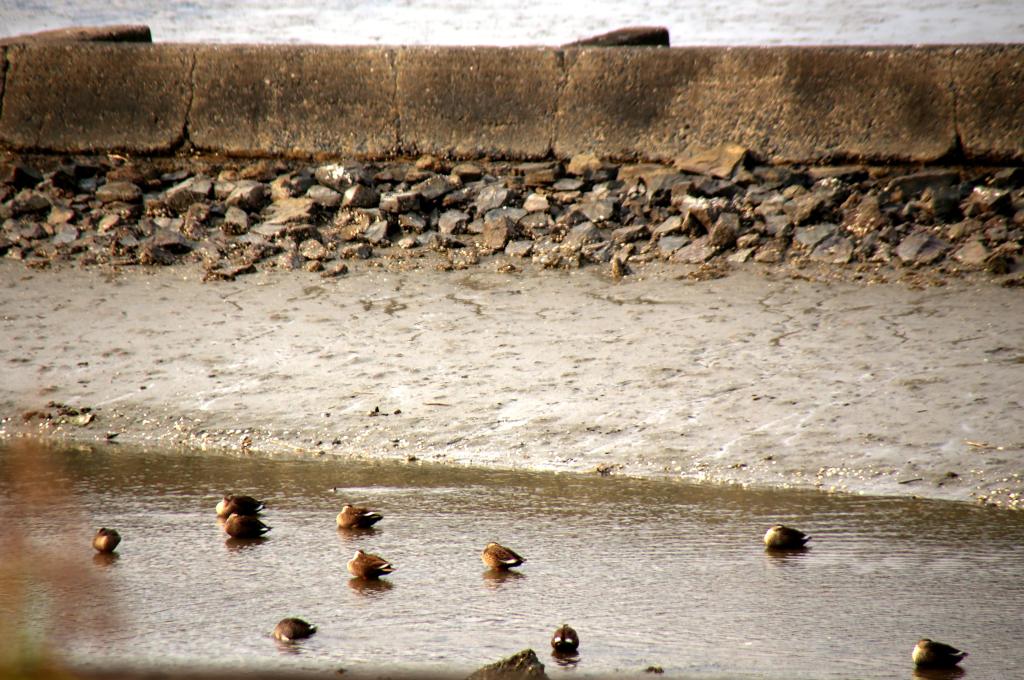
[(755, 378)]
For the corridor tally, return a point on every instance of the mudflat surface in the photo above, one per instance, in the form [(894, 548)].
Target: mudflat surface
[(754, 378)]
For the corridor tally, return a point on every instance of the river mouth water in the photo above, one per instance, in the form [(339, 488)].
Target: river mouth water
[(649, 572)]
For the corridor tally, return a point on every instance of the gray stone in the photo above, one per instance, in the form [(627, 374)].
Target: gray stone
[(539, 174), (741, 255), (236, 221), (467, 172), (194, 189), (377, 233), (497, 233), (311, 249), (490, 197), (833, 250), (697, 252), (171, 241), (289, 211), (670, 244), (920, 248), (650, 36), (323, 196), (771, 252), (536, 203), (126, 192), (452, 222), (536, 223), (987, 200), (910, 186), (360, 196), (249, 195), (510, 216), (433, 188), (290, 185), (67, 233), (805, 208), (723, 233), (583, 234), (361, 251), (341, 176), (598, 211), (399, 201), (672, 225), (865, 218), (412, 222), (704, 210), (811, 236), (590, 167), (972, 254), (29, 201), (60, 214), (720, 162), (630, 234), (568, 184), (519, 248), (777, 225), (270, 230)]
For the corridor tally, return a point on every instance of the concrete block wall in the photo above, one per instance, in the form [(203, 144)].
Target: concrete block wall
[(787, 104)]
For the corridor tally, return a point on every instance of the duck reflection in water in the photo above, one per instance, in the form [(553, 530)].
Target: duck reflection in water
[(793, 557), (105, 559), (349, 534), (370, 587), (241, 544), (938, 673), (495, 579)]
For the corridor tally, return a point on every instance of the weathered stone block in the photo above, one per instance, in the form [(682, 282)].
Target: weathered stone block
[(294, 100), (96, 97), (478, 101), (785, 104), (989, 85)]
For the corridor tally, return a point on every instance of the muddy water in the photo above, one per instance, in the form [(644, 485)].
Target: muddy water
[(648, 572)]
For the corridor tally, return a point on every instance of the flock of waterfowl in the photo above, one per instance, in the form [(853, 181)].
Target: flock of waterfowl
[(240, 514)]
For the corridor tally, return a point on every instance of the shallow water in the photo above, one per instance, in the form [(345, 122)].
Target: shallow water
[(648, 572), (498, 22)]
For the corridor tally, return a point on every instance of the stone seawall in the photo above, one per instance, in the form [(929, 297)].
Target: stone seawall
[(785, 104)]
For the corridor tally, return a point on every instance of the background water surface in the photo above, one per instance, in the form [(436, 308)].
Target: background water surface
[(499, 22)]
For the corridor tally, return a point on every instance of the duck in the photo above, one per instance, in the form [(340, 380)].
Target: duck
[(290, 629), (565, 640), (366, 566), (930, 654), (106, 540), (497, 556), (352, 517), (245, 526), (781, 537), (239, 505)]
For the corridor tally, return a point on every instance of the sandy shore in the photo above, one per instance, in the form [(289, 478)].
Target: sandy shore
[(755, 378)]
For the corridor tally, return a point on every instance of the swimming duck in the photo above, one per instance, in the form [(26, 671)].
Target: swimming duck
[(106, 540), (497, 556), (931, 654), (245, 526), (565, 640), (290, 629), (239, 505), (365, 565), (781, 537), (352, 517)]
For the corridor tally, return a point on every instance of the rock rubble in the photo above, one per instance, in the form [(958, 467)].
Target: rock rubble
[(704, 213)]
